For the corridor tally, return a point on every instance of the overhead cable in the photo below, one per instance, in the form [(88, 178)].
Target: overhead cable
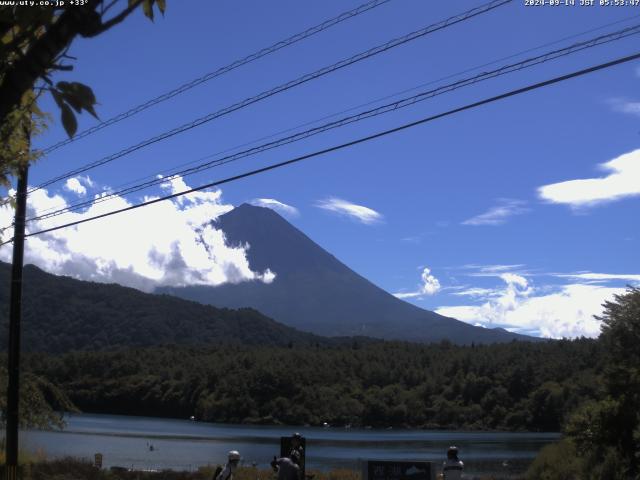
[(220, 71), (389, 107), (351, 143), (283, 87)]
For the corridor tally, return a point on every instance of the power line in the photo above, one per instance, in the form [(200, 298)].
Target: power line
[(386, 97), (221, 71), (372, 102), (286, 86), (405, 126), (402, 103), (361, 116), (477, 67)]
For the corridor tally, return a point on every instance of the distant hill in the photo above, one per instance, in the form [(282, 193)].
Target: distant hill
[(62, 314), (313, 291)]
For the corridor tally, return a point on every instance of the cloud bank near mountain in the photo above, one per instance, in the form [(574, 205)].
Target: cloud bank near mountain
[(170, 243), (430, 286), (280, 207), (545, 308), (358, 213)]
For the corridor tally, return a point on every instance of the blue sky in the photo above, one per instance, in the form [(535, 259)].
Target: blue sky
[(478, 215)]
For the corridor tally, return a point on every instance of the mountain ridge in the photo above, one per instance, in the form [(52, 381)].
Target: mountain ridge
[(313, 291)]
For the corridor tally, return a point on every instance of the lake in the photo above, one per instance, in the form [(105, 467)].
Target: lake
[(186, 445)]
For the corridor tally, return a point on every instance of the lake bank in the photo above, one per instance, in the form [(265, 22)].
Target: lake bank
[(188, 445)]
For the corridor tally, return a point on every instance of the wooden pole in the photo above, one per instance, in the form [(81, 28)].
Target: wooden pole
[(15, 314)]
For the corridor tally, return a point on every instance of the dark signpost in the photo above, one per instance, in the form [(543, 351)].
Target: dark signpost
[(398, 470), (286, 445)]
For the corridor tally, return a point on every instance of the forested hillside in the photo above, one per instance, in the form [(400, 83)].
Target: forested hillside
[(512, 386), (61, 314)]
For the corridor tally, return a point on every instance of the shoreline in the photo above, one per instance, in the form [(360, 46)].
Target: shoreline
[(85, 470), (186, 445)]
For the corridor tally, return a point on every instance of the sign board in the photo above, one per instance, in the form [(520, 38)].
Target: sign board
[(286, 445), (398, 470), (97, 460)]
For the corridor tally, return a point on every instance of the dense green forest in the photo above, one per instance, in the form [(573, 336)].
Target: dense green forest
[(61, 314), (41, 402), (155, 355), (512, 386)]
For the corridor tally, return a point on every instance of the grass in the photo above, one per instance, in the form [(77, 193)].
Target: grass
[(24, 456), (75, 469)]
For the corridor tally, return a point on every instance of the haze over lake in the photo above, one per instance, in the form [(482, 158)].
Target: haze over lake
[(184, 444)]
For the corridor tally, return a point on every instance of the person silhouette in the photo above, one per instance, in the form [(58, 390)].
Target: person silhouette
[(453, 466), (288, 468), (226, 473)]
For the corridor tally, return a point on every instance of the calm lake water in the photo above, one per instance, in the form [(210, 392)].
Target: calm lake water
[(186, 445)]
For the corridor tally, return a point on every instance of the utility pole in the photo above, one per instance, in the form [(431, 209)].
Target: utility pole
[(15, 314)]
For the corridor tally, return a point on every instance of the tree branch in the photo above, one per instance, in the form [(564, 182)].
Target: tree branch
[(115, 20), (21, 75), (108, 7), (65, 68)]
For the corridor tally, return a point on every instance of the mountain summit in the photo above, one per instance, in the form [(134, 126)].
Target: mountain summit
[(315, 292)]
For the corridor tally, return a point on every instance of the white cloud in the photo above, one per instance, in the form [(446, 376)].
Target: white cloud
[(430, 286), (513, 279), (623, 105), (622, 181), (600, 276), (167, 243), (79, 184), (491, 270), (351, 210), (402, 295), (87, 180), (276, 205), (74, 185), (475, 292), (499, 214), (565, 311)]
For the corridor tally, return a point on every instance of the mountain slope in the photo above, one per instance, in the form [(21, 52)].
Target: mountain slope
[(62, 314), (315, 292)]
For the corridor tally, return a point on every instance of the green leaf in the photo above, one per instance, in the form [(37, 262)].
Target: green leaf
[(63, 86), (74, 101), (162, 6), (79, 96), (84, 93), (69, 121), (147, 8), (57, 96), (91, 110)]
